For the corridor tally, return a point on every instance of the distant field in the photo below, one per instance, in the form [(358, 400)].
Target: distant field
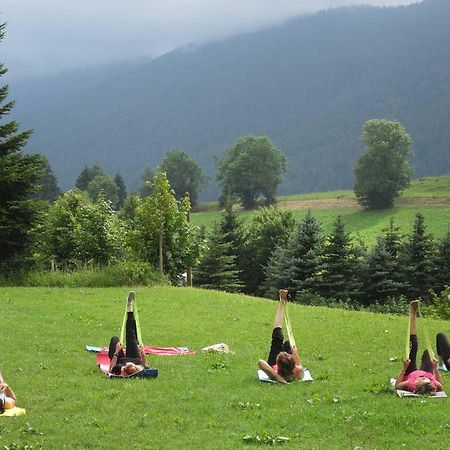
[(366, 224), (206, 401)]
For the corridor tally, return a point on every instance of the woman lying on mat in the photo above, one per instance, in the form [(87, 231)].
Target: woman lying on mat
[(443, 348), (7, 396), (283, 363), (134, 360), (425, 381)]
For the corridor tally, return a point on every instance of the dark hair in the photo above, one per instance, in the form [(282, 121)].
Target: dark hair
[(425, 389), (286, 365), (2, 402)]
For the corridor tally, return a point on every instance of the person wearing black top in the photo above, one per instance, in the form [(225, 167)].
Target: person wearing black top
[(132, 360)]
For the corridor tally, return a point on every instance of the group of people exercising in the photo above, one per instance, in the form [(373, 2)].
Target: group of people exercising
[(283, 363)]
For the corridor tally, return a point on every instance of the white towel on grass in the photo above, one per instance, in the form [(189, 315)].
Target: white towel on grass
[(262, 376), (400, 393)]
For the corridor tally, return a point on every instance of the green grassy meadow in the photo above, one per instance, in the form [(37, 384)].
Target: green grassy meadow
[(206, 401), (367, 224)]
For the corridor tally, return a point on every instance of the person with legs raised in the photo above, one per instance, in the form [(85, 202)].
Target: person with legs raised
[(426, 380), (283, 364), (132, 360)]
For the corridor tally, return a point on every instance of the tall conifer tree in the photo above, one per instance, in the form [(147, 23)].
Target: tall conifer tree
[(418, 259), (19, 180)]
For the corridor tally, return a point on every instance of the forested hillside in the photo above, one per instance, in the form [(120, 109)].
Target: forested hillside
[(309, 85)]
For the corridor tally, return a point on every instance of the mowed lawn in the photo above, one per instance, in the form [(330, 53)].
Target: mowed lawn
[(206, 401)]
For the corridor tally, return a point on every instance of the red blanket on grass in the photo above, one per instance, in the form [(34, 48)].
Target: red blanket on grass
[(149, 350)]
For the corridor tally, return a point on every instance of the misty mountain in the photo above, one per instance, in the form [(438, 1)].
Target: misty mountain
[(309, 85)]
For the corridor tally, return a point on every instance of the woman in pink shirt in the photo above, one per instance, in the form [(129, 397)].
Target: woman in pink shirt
[(283, 364), (425, 381)]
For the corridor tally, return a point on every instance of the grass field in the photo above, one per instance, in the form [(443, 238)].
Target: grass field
[(206, 401), (367, 224)]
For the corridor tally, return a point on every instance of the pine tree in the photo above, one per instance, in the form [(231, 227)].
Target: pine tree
[(270, 228), (340, 267), (306, 253), (392, 238), (277, 272), (232, 235), (121, 190), (217, 268), (19, 177), (418, 259), (441, 265), (87, 175), (296, 265), (49, 189), (381, 281)]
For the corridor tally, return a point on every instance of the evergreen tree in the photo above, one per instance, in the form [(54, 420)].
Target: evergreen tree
[(340, 266), (381, 281), (217, 268), (121, 191), (418, 259), (296, 266), (392, 238), (232, 234), (87, 175), (49, 189), (19, 178), (277, 274), (270, 228), (441, 266)]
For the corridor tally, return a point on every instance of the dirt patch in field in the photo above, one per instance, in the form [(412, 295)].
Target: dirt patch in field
[(336, 203), (331, 203)]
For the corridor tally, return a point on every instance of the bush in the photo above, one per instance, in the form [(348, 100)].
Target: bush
[(121, 274), (391, 306), (438, 306)]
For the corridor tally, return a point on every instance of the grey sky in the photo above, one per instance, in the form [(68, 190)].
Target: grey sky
[(45, 36)]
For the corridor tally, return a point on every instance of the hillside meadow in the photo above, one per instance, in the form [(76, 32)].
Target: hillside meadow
[(206, 401), (429, 196)]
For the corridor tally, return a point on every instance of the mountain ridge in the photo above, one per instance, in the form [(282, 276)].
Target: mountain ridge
[(308, 84)]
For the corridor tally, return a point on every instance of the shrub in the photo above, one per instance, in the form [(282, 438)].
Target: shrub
[(124, 273), (438, 306)]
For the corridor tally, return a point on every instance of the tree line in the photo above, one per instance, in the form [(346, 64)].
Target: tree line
[(98, 223)]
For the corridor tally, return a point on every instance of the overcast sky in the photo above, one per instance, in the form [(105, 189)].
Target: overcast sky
[(48, 36)]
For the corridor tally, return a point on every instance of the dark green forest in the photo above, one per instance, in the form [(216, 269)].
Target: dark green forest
[(309, 85)]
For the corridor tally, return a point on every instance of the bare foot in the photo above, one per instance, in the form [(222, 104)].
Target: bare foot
[(283, 293), (414, 304)]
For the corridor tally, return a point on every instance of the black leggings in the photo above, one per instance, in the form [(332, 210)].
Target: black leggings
[(277, 346), (132, 345), (426, 360), (443, 348)]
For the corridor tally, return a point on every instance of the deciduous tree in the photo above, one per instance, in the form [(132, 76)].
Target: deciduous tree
[(383, 170), (252, 167), (184, 175)]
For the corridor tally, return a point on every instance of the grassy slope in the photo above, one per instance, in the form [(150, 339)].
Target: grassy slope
[(370, 223), (193, 404)]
